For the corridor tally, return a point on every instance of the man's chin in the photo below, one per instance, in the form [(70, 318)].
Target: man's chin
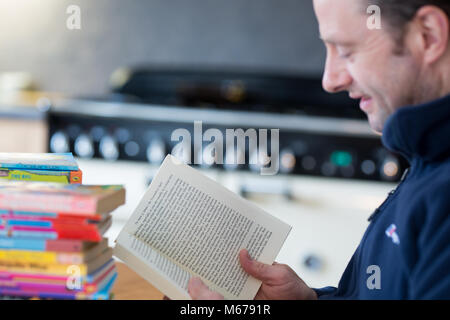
[(376, 125)]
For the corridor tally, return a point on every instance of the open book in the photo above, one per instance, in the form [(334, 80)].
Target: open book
[(188, 225)]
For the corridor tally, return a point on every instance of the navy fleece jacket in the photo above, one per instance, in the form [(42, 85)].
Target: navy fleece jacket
[(405, 251)]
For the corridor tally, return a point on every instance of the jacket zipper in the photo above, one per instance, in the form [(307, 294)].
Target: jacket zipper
[(390, 194)]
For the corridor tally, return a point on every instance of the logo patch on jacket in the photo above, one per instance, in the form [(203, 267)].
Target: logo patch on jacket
[(391, 233)]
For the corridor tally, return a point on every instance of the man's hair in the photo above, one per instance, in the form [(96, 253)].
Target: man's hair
[(398, 13)]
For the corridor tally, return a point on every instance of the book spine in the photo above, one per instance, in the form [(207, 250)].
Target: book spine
[(30, 267), (46, 287), (48, 216), (95, 277), (61, 287), (41, 257), (82, 205), (86, 232), (79, 234), (32, 234), (38, 161), (52, 295), (41, 244), (49, 292), (43, 222), (31, 166), (33, 277), (36, 175)]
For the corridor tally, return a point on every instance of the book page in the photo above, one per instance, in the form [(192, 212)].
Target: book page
[(201, 227), (165, 275)]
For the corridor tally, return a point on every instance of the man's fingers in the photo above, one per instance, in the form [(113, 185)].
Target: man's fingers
[(256, 269), (196, 288), (199, 291)]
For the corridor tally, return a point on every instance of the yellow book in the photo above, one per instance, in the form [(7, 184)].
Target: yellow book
[(49, 257), (55, 268), (65, 177)]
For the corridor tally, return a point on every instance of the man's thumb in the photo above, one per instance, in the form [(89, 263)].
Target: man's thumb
[(256, 269)]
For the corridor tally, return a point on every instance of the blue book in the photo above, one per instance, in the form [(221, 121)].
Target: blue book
[(41, 244), (38, 161), (23, 244)]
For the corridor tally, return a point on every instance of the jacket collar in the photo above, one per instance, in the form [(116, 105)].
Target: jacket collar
[(421, 131)]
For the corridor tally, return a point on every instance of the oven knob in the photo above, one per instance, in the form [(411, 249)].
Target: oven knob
[(390, 168), (73, 131), (328, 169), (97, 133), (308, 163), (287, 161), (122, 135), (59, 142), (132, 148), (156, 151), (368, 167), (109, 148), (84, 147)]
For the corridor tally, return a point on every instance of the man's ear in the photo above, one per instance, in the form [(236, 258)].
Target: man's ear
[(433, 24)]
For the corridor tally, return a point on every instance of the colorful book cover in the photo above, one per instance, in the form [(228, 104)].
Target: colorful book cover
[(38, 161), (56, 197), (57, 176)]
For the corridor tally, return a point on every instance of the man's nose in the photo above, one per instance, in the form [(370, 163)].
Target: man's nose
[(336, 77)]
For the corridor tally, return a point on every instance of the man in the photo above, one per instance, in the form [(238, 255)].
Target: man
[(401, 74)]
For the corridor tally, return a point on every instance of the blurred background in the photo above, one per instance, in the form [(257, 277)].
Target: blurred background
[(113, 90), (259, 34)]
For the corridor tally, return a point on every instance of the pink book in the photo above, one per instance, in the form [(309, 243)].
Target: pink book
[(55, 197)]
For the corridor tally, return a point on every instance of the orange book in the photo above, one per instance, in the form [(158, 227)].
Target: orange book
[(76, 177)]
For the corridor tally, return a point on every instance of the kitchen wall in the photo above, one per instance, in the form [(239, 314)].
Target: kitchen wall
[(276, 35)]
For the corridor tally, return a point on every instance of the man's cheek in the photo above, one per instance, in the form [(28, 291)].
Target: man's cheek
[(361, 78)]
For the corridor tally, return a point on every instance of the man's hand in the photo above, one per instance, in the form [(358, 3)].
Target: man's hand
[(279, 282)]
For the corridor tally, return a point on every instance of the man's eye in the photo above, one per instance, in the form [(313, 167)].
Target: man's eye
[(345, 55)]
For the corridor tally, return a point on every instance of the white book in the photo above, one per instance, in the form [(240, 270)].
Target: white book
[(189, 225)]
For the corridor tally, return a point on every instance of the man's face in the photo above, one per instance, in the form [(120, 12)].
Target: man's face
[(363, 61)]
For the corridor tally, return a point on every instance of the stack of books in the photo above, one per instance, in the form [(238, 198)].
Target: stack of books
[(52, 242), (48, 167)]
